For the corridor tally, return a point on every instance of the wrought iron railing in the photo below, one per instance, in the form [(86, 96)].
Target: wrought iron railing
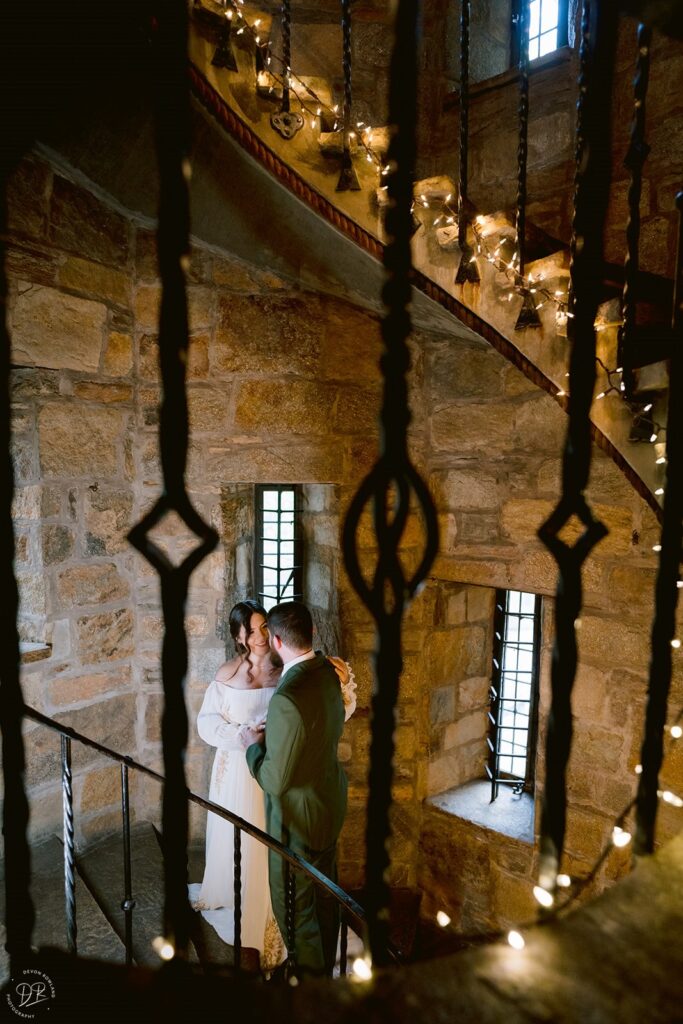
[(352, 914)]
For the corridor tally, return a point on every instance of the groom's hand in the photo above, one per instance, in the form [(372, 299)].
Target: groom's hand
[(249, 735)]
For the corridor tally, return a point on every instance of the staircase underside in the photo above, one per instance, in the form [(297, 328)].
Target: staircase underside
[(617, 959)]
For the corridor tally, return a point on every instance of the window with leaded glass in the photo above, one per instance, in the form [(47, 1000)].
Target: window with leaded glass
[(278, 549), (514, 690)]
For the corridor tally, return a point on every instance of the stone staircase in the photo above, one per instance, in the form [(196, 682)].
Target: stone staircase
[(308, 164)]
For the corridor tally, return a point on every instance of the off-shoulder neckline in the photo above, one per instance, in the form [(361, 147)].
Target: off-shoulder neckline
[(245, 688)]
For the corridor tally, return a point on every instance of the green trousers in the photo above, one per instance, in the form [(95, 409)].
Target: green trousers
[(316, 914)]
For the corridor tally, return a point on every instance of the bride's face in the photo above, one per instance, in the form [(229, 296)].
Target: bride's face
[(257, 638)]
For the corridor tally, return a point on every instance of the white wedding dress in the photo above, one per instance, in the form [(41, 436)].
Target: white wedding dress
[(223, 711)]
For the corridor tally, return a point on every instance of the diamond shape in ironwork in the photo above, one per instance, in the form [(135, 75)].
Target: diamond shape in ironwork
[(139, 536), (567, 507)]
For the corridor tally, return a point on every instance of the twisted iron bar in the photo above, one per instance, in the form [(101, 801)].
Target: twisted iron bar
[(599, 24), (666, 590), (172, 136), (19, 912), (348, 179), (389, 484), (237, 944), (286, 11), (467, 269), (128, 903), (69, 851), (635, 159), (528, 316)]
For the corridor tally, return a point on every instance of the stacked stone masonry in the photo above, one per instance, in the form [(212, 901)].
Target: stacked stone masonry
[(284, 387)]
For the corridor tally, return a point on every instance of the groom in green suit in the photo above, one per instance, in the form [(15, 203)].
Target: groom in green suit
[(296, 765)]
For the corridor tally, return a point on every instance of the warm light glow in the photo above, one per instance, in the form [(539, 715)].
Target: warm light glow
[(443, 919), (661, 460), (676, 732), (362, 969), (620, 837), (647, 407), (653, 437), (601, 395), (638, 769), (480, 220), (163, 948), (660, 490), (543, 897), (656, 547), (516, 940), (670, 798), (564, 881), (676, 643), (186, 168)]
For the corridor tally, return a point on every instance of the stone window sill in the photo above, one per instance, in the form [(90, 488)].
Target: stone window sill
[(558, 58), (509, 815), (30, 652)]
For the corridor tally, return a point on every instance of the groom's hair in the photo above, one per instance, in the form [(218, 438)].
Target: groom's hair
[(292, 622)]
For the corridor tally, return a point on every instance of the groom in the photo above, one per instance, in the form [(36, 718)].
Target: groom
[(296, 765)]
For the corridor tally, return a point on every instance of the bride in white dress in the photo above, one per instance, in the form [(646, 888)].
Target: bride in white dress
[(239, 697)]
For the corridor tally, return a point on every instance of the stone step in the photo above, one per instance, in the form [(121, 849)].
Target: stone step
[(101, 866), (95, 939)]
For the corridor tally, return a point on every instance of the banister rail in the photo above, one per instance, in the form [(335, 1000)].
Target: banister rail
[(354, 915)]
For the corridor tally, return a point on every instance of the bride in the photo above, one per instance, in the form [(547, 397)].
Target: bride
[(239, 697)]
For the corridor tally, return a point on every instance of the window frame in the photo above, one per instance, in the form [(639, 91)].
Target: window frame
[(297, 571), (495, 775), (515, 38)]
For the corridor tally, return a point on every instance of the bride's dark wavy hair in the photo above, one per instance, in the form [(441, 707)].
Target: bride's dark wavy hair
[(240, 615)]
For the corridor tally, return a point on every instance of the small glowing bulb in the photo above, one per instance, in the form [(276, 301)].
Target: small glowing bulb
[(660, 490), (564, 881), (647, 407), (661, 460), (679, 584), (481, 220), (653, 437), (558, 294), (670, 798), (676, 644), (228, 15), (448, 197), (561, 393), (186, 168), (362, 969), (676, 732), (443, 919), (516, 940), (163, 948), (656, 547), (620, 837), (601, 395), (638, 769), (543, 897)]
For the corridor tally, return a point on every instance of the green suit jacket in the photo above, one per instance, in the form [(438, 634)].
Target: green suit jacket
[(297, 766)]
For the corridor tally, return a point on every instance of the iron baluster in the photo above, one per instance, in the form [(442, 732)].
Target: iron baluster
[(128, 903), (348, 179), (172, 133), (389, 484), (286, 121), (343, 947), (635, 159), (69, 854), (19, 914), (468, 270), (666, 591), (528, 316), (237, 945), (599, 29)]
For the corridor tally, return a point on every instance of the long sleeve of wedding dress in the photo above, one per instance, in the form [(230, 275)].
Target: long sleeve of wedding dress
[(213, 721)]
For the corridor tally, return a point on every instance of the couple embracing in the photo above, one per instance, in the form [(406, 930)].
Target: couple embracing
[(275, 713)]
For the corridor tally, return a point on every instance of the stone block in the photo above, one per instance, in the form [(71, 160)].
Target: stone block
[(100, 788), (81, 688), (52, 329), (146, 306), (148, 357), (91, 584), (107, 519), (287, 333), (299, 407), (457, 654), (92, 449), (57, 543), (442, 705), (32, 594), (512, 898), (466, 730), (242, 277), (118, 355), (200, 307), (108, 636), (107, 394), (351, 345), (473, 693), (355, 409), (81, 223), (466, 489), (208, 409), (154, 704), (462, 371), (95, 279), (198, 357), (604, 641), (27, 191)]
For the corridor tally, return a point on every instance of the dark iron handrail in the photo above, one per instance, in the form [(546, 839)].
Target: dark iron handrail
[(354, 915)]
